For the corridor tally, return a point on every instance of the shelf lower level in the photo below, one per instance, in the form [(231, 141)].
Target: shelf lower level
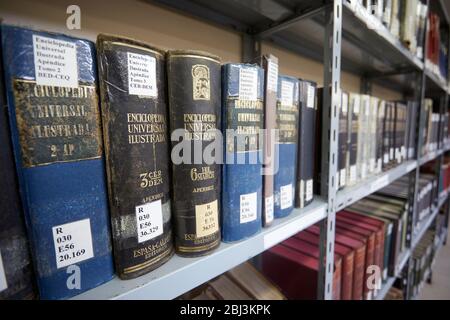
[(180, 275)]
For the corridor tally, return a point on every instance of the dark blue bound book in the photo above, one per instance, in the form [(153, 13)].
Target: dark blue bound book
[(243, 118), (56, 131), (287, 125)]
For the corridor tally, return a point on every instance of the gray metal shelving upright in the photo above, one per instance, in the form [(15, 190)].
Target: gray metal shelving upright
[(344, 38)]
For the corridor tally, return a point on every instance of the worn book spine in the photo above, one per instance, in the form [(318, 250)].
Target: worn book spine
[(16, 270), (379, 135), (354, 113), (270, 65), (372, 138), (134, 113), (363, 138), (194, 80), (286, 147), (306, 144), (56, 132), (343, 142), (243, 118), (391, 133)]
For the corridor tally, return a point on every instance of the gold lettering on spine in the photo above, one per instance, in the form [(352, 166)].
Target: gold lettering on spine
[(146, 128)]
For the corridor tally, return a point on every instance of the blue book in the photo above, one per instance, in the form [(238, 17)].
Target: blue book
[(287, 125), (243, 117), (52, 100)]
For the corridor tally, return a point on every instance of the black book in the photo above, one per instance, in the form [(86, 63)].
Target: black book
[(16, 270), (343, 141), (353, 122), (194, 80), (306, 143), (134, 111)]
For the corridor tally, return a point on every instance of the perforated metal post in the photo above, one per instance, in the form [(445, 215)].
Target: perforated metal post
[(330, 113)]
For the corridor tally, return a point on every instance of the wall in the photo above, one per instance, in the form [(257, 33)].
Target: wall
[(162, 27)]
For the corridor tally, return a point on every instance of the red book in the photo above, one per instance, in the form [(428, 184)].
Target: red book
[(313, 251), (295, 273), (360, 258), (347, 255)]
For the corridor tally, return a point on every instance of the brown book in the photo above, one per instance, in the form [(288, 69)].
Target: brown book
[(360, 258), (225, 289), (347, 255)]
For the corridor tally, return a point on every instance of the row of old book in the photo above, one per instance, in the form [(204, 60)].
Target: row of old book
[(370, 237), (374, 136), (435, 127), (140, 162), (437, 49), (405, 19)]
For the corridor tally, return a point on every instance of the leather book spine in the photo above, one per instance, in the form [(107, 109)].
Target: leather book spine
[(194, 80), (57, 141), (134, 113), (243, 118), (286, 147), (304, 191), (16, 269), (270, 65), (343, 142)]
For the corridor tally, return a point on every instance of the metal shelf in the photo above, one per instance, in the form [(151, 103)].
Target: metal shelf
[(434, 83), (385, 288), (430, 156), (364, 188), (180, 275)]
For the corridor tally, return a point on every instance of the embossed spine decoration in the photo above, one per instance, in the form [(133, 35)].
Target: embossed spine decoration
[(243, 117), (134, 112), (55, 125), (195, 108), (287, 124)]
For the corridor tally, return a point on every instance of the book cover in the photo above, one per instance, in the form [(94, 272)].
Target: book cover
[(286, 147), (194, 80), (16, 269), (270, 65), (134, 111), (243, 118), (56, 132), (304, 191)]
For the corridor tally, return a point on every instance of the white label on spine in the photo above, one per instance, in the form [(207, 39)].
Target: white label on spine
[(371, 164), (3, 283), (309, 190), (386, 158), (286, 196), (142, 75), (389, 231), (379, 165), (248, 207), (269, 209), (248, 84), (342, 178), (206, 219), (55, 62), (352, 174), (344, 103), (287, 93), (310, 99), (149, 221), (391, 154), (73, 242), (272, 76)]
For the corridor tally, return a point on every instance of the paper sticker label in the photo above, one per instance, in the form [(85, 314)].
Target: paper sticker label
[(356, 106), (352, 174), (386, 158), (379, 165), (149, 221), (302, 193), (73, 242), (309, 190), (248, 84), (207, 220), (248, 207), (363, 170), (391, 153), (311, 96), (389, 230), (269, 209), (142, 75), (342, 178), (287, 93), (272, 76), (371, 165), (3, 283), (286, 196), (55, 62), (344, 103)]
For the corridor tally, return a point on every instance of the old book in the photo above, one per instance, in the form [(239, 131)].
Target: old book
[(195, 119), (314, 251), (372, 135), (134, 112), (16, 270), (270, 65), (249, 279), (286, 147), (363, 138), (243, 118), (306, 143), (380, 135), (298, 281), (56, 132), (359, 249), (348, 256), (354, 113), (394, 27), (343, 142)]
